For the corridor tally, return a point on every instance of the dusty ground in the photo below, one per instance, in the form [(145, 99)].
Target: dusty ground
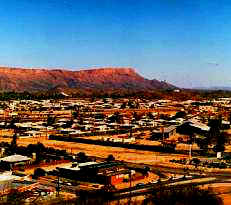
[(129, 155), (123, 154)]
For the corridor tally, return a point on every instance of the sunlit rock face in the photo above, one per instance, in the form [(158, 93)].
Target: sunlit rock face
[(21, 79)]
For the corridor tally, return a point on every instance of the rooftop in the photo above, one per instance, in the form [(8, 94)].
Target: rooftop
[(15, 158)]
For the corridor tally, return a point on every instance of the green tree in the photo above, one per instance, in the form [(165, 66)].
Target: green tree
[(110, 158), (203, 144), (136, 116), (123, 106), (116, 117), (215, 127), (39, 172), (150, 115), (50, 120), (229, 117), (75, 114), (180, 114), (82, 157), (13, 144), (220, 143)]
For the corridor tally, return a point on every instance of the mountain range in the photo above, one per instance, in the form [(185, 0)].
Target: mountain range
[(214, 88), (22, 79)]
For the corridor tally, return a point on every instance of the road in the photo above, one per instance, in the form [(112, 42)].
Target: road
[(149, 188)]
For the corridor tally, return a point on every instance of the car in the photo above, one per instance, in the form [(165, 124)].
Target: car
[(178, 177), (147, 168), (164, 179), (222, 165), (140, 184), (188, 177)]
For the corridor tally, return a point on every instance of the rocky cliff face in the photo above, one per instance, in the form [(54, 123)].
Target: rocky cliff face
[(18, 79)]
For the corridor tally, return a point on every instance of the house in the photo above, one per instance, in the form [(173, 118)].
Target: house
[(225, 124), (14, 162), (193, 126), (95, 172), (164, 132), (101, 128)]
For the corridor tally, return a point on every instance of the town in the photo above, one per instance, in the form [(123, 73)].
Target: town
[(81, 148)]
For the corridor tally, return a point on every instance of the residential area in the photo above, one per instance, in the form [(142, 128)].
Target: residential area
[(73, 148)]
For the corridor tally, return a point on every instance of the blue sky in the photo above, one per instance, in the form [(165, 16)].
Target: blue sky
[(186, 42)]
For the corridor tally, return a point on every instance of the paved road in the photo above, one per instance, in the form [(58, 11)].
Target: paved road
[(149, 188)]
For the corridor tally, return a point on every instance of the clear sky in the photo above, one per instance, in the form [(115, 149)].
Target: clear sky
[(186, 42)]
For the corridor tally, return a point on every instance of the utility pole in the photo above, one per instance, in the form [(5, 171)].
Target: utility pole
[(131, 133), (190, 151), (191, 144), (58, 186), (162, 131), (130, 178)]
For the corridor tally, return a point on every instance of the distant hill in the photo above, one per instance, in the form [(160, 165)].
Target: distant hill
[(224, 88), (21, 79)]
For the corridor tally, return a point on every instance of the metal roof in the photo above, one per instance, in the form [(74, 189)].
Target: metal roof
[(15, 158)]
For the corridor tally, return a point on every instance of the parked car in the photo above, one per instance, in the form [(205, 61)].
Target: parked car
[(140, 184)]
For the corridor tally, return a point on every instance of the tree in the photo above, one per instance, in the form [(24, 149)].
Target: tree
[(38, 148), (229, 117), (150, 115), (123, 105), (12, 123), (216, 136), (131, 104), (136, 116), (15, 198), (220, 143), (221, 140), (110, 158), (75, 114), (191, 140), (13, 144), (80, 119), (116, 117), (68, 124), (203, 144), (214, 132), (50, 120), (82, 157), (39, 172), (219, 148), (180, 114), (195, 161)]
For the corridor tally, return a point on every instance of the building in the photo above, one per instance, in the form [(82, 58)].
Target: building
[(107, 173), (164, 132), (14, 162), (193, 126)]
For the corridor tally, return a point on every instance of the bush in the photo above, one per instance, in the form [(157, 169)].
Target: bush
[(39, 172)]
